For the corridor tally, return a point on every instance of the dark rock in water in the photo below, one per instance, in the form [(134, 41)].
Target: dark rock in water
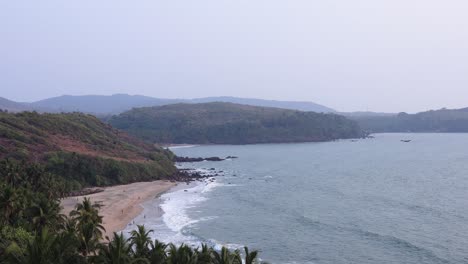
[(214, 159), (199, 159), (185, 191), (187, 159), (406, 140), (212, 169)]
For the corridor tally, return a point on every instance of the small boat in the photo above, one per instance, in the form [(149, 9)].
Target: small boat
[(406, 140)]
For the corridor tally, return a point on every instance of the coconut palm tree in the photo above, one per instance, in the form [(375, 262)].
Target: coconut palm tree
[(181, 255), (89, 225), (11, 173), (205, 255), (10, 203), (157, 254), (88, 241), (42, 249), (87, 212), (250, 257), (118, 251), (44, 213), (140, 241), (227, 257)]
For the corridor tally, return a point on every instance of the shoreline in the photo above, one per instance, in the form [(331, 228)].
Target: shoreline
[(121, 204), (167, 216)]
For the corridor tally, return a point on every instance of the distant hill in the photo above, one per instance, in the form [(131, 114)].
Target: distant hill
[(99, 104), (81, 148), (443, 120), (228, 123), (118, 103), (293, 105), (366, 114), (12, 106)]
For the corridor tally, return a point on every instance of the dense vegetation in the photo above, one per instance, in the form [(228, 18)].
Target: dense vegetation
[(443, 120), (227, 123), (81, 149), (32, 230)]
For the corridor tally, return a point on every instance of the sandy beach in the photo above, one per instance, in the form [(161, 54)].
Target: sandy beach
[(122, 203)]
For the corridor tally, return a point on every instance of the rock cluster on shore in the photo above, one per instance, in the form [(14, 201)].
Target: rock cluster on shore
[(199, 159)]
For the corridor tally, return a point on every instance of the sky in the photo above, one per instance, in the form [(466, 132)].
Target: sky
[(360, 55)]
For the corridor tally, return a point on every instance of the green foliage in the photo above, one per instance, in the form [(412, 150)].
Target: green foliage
[(83, 170), (32, 230), (443, 120), (81, 149), (226, 123)]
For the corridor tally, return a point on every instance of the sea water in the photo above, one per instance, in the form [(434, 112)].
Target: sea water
[(376, 200)]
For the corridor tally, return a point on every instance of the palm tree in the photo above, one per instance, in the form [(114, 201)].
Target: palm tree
[(158, 253), (10, 203), (87, 212), (250, 257), (42, 249), (181, 255), (88, 241), (89, 225), (226, 257), (44, 213), (140, 241), (205, 256), (11, 172), (118, 251)]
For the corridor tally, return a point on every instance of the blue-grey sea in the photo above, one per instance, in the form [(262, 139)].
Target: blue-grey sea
[(367, 201)]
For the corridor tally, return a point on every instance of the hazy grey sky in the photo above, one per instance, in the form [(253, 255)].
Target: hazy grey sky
[(379, 55)]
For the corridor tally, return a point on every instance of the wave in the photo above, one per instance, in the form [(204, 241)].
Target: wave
[(173, 226)]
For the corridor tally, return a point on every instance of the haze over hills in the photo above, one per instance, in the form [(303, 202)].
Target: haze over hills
[(443, 120), (228, 123), (118, 103), (13, 106)]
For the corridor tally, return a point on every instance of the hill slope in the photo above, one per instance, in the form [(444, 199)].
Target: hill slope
[(443, 120), (293, 105), (99, 104), (227, 123), (81, 148), (12, 106), (118, 103)]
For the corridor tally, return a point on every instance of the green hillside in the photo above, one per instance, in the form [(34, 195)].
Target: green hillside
[(227, 123), (443, 120), (81, 149)]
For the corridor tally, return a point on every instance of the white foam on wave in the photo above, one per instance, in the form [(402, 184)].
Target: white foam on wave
[(168, 214), (176, 203), (174, 223)]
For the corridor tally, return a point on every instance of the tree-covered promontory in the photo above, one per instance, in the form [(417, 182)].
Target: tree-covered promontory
[(227, 123)]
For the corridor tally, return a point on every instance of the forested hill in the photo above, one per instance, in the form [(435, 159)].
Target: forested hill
[(81, 148), (228, 123), (443, 120)]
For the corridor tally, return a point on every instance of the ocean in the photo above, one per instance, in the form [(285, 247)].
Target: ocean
[(376, 200)]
